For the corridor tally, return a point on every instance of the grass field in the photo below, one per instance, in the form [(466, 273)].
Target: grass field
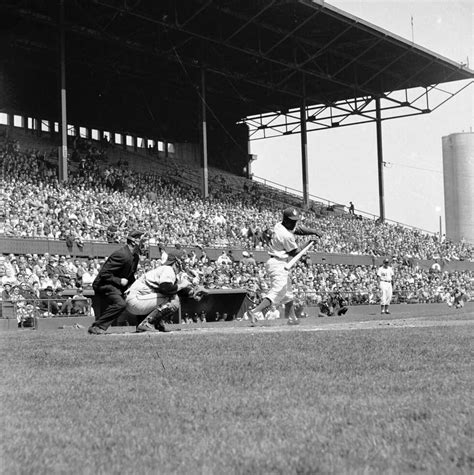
[(383, 400)]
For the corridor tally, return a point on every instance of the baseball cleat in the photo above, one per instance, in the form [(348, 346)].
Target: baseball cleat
[(293, 321), (92, 330), (146, 327), (160, 326)]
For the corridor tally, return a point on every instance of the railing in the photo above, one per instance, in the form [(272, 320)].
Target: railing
[(323, 201), (27, 310)]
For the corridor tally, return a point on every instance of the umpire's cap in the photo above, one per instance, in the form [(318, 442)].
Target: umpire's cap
[(291, 213), (135, 235)]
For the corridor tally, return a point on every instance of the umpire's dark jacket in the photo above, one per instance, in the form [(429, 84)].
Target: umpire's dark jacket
[(121, 264)]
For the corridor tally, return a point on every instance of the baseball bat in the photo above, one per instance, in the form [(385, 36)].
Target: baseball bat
[(289, 265)]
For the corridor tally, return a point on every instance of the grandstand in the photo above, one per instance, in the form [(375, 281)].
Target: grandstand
[(80, 228), (157, 133), (182, 84)]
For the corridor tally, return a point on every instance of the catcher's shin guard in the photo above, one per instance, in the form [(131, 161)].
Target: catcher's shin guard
[(156, 317)]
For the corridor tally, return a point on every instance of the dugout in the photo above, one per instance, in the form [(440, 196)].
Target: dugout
[(232, 302)]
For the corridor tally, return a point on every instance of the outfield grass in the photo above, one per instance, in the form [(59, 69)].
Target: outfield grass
[(372, 401)]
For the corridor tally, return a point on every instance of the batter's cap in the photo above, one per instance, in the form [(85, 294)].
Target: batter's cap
[(291, 213)]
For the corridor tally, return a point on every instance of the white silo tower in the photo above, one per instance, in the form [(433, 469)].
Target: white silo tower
[(458, 168)]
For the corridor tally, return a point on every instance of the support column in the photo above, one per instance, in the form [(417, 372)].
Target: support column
[(38, 124), (250, 156), (380, 158), (205, 172), (51, 128), (304, 146), (63, 123)]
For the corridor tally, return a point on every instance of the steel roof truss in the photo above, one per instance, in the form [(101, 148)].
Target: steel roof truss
[(359, 110), (291, 33), (195, 14), (312, 43), (313, 56), (250, 20)]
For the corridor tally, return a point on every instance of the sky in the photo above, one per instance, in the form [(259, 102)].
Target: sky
[(342, 163)]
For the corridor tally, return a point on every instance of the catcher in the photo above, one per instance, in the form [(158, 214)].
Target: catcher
[(156, 294)]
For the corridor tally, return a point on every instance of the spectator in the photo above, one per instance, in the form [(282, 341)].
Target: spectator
[(6, 292), (48, 302), (224, 259), (9, 277), (247, 258), (79, 302), (273, 313)]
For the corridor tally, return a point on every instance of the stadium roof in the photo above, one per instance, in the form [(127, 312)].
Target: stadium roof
[(255, 54)]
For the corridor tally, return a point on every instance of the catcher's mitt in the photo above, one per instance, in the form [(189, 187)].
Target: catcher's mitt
[(199, 292), (194, 292)]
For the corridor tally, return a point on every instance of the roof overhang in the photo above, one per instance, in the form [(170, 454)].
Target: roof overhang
[(260, 57)]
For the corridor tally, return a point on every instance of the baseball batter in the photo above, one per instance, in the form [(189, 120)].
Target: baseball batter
[(282, 248), (385, 275)]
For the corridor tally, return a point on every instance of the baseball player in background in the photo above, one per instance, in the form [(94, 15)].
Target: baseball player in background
[(156, 294), (385, 275), (282, 248)]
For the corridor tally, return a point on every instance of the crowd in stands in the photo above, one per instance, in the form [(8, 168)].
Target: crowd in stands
[(312, 282), (101, 203)]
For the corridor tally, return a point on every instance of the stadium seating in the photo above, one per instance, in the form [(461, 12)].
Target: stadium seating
[(165, 201), (110, 192)]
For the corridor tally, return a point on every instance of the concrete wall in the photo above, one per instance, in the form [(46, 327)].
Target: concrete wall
[(103, 250)]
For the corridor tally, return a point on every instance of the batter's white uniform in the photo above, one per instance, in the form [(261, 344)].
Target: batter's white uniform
[(385, 275), (283, 242), (143, 296)]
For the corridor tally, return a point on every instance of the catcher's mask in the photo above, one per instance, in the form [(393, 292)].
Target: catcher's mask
[(175, 261)]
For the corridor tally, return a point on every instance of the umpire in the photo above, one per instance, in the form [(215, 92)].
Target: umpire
[(115, 276)]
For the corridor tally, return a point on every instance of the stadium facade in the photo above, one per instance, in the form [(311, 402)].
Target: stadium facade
[(458, 169)]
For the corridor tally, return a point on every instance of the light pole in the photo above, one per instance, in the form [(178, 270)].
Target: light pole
[(438, 211)]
